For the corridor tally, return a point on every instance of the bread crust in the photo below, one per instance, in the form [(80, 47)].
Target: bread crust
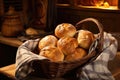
[(49, 40), (85, 38), (52, 53), (77, 54), (67, 45), (65, 30)]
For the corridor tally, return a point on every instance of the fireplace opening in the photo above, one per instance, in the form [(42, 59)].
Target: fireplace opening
[(102, 4), (96, 2)]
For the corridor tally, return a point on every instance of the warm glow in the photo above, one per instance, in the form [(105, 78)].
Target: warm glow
[(99, 3), (101, 7), (106, 5), (102, 4)]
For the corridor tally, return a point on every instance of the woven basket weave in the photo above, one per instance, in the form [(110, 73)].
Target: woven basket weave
[(58, 69)]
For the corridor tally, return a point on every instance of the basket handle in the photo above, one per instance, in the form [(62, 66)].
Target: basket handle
[(100, 27)]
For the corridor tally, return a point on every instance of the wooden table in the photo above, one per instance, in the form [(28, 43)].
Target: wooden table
[(10, 41)]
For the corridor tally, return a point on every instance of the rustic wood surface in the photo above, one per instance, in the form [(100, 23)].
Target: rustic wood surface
[(10, 41)]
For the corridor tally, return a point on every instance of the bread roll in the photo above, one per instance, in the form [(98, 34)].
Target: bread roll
[(67, 45), (85, 38), (31, 31), (49, 40), (65, 30), (77, 54), (52, 53)]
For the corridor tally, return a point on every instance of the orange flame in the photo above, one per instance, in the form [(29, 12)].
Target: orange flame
[(106, 5)]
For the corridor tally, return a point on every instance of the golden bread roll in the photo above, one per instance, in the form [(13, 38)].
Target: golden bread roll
[(31, 31), (52, 53), (65, 30), (67, 44), (78, 54), (49, 40), (85, 38)]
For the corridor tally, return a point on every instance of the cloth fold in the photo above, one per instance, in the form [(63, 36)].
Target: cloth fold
[(96, 70)]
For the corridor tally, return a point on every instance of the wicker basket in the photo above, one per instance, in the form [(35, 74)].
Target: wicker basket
[(57, 69)]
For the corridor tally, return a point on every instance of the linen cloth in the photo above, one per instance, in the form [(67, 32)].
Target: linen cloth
[(96, 70)]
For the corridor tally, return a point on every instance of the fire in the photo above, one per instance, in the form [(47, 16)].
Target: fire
[(103, 5), (106, 5)]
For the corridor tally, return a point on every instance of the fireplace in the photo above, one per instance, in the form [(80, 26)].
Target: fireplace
[(103, 4)]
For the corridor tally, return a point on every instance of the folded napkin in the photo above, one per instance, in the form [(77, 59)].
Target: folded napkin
[(96, 70)]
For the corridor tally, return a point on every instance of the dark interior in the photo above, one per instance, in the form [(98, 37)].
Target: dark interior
[(58, 11)]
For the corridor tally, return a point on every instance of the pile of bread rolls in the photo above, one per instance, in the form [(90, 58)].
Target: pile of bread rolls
[(66, 44)]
